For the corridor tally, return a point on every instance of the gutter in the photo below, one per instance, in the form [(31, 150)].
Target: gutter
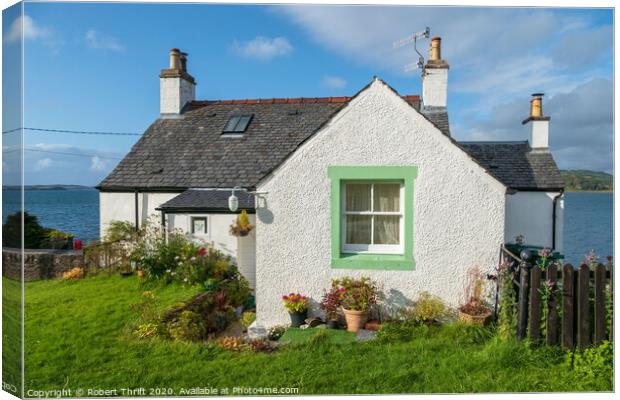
[(553, 223), (136, 207)]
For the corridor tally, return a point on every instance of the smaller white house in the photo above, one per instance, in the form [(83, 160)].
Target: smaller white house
[(371, 184)]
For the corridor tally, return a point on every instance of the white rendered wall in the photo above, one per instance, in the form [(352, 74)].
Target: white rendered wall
[(539, 136), (174, 94), (531, 214), (435, 87), (121, 206), (458, 212)]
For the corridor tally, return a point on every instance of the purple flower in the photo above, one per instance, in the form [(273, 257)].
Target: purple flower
[(545, 252), (591, 258)]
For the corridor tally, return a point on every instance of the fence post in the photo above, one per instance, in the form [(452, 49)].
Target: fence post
[(552, 315), (583, 311), (522, 307), (568, 288), (599, 303), (535, 297)]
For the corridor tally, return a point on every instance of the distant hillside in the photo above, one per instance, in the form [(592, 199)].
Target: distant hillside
[(46, 187), (583, 180)]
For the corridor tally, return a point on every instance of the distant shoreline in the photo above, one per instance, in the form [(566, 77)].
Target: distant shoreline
[(47, 187)]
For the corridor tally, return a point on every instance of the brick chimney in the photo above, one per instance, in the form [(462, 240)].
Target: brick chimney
[(176, 86), (435, 79), (539, 136)]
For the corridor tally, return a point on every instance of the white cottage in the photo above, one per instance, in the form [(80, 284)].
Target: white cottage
[(366, 185)]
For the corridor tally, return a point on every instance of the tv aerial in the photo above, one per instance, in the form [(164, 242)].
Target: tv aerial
[(414, 39)]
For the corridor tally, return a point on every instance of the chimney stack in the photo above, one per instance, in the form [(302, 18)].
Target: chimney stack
[(176, 86), (539, 136), (435, 79)]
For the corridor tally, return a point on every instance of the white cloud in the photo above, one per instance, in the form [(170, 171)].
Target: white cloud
[(43, 163), (333, 82), (97, 40), (580, 132), (32, 31), (97, 164), (262, 48)]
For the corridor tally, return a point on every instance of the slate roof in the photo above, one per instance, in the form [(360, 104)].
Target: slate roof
[(207, 200), (516, 165), (189, 151)]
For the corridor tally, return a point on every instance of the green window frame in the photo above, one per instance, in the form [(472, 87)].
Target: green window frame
[(339, 175)]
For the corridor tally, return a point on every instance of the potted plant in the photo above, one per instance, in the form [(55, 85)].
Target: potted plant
[(297, 307), (330, 303), (356, 298), (241, 226), (474, 311)]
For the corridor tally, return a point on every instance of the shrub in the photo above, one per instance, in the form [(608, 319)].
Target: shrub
[(356, 294), (474, 291), (190, 326), (232, 343), (295, 302), (428, 309), (260, 345), (120, 230), (35, 235), (595, 362), (237, 290), (247, 319), (330, 303), (73, 274), (147, 330), (276, 332)]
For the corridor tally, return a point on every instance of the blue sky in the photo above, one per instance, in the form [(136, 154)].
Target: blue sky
[(95, 67)]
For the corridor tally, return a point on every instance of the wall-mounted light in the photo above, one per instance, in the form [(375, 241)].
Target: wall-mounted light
[(233, 201)]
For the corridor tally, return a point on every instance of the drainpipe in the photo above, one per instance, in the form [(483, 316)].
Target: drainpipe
[(136, 207), (553, 223)]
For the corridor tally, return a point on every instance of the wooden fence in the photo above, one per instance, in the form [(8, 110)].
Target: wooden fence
[(566, 305)]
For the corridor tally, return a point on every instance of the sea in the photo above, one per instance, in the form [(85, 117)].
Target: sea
[(588, 218)]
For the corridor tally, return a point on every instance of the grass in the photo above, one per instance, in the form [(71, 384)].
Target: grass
[(11, 335), (77, 336), (297, 336)]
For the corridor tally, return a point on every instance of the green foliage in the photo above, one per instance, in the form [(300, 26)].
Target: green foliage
[(396, 331), (237, 290), (35, 235), (276, 332), (356, 294), (507, 321), (86, 343), (595, 363), (248, 318), (577, 180), (120, 230), (428, 309), (147, 330), (190, 326)]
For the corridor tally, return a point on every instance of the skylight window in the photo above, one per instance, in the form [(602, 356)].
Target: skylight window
[(237, 123)]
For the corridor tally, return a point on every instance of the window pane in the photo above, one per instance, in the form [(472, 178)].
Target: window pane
[(387, 197), (199, 225), (387, 229), (358, 229), (230, 125), (242, 124), (358, 197)]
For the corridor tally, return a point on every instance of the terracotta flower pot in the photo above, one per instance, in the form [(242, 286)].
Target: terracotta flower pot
[(355, 319), (372, 325), (480, 319)]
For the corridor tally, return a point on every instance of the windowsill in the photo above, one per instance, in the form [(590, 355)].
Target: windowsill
[(397, 262)]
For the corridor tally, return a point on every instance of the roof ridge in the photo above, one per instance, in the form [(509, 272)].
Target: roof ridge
[(289, 100)]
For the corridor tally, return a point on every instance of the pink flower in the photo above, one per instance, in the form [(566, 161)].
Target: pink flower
[(293, 299), (341, 290), (291, 294), (284, 297)]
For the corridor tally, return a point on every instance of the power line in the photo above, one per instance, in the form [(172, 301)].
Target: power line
[(75, 132), (72, 154)]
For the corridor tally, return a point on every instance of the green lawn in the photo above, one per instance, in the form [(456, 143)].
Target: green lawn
[(77, 337)]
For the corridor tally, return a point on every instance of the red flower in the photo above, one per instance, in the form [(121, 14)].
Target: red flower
[(284, 297), (341, 290), (202, 252)]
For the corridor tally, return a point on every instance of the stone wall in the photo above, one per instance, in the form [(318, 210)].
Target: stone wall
[(39, 264)]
